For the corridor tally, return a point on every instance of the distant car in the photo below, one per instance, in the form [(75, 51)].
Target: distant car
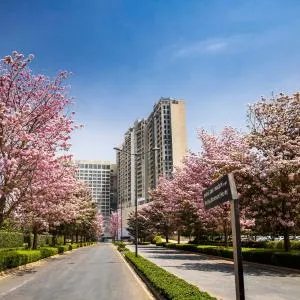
[(263, 238)]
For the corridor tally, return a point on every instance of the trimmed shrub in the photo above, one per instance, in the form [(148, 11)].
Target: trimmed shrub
[(2, 250), (74, 246), (161, 244), (144, 243), (13, 257), (121, 246), (118, 243), (63, 248), (11, 239), (48, 251), (295, 245), (59, 240), (157, 239), (44, 240), (17, 258), (166, 284)]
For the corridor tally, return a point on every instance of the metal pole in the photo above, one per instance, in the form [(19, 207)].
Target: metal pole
[(237, 245), (121, 221), (117, 221), (136, 212)]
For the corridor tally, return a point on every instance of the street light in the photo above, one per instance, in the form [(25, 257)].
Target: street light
[(136, 213)]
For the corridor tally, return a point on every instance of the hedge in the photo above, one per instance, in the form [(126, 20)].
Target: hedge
[(11, 249), (48, 251), (144, 243), (157, 239), (295, 245), (11, 239), (265, 256), (14, 258), (17, 258), (161, 244), (64, 248), (166, 284), (44, 240)]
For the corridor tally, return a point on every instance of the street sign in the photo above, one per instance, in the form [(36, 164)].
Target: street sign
[(218, 193)]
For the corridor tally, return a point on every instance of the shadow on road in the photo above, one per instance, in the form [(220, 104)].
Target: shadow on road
[(25, 271), (228, 268), (212, 264)]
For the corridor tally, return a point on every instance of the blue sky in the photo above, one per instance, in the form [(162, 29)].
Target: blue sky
[(124, 55)]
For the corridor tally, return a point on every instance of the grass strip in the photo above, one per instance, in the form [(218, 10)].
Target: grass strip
[(166, 284)]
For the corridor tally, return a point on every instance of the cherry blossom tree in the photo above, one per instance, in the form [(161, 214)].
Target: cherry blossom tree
[(33, 127), (273, 191), (146, 227), (50, 198), (162, 208), (88, 222), (227, 152), (114, 224)]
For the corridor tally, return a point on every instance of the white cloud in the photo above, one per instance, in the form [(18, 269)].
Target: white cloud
[(219, 45), (209, 46)]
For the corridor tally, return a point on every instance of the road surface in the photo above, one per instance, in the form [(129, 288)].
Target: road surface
[(216, 276), (91, 273)]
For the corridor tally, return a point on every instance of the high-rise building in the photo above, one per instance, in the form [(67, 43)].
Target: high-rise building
[(139, 165), (100, 177), (165, 130)]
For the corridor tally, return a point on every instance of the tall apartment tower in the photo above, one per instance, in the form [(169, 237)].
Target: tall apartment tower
[(100, 177), (138, 166), (166, 130)]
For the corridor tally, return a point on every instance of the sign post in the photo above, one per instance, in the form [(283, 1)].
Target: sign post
[(236, 239), (221, 191)]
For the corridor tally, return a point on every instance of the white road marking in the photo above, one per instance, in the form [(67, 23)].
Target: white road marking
[(16, 287)]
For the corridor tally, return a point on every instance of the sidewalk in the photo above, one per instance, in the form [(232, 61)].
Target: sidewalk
[(216, 276)]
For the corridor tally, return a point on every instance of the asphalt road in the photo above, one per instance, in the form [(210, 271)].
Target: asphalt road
[(216, 276), (96, 272)]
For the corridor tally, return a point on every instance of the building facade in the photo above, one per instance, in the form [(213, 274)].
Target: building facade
[(101, 178), (139, 165)]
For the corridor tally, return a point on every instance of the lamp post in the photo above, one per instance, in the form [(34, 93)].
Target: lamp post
[(121, 222), (136, 194)]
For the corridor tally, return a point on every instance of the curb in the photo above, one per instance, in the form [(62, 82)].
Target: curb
[(141, 279), (192, 283), (157, 295)]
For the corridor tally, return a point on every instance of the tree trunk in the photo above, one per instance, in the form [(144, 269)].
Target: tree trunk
[(54, 239), (178, 237), (226, 236), (76, 238), (35, 239), (287, 243), (167, 237), (197, 238), (29, 246), (65, 239), (72, 238), (2, 207)]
